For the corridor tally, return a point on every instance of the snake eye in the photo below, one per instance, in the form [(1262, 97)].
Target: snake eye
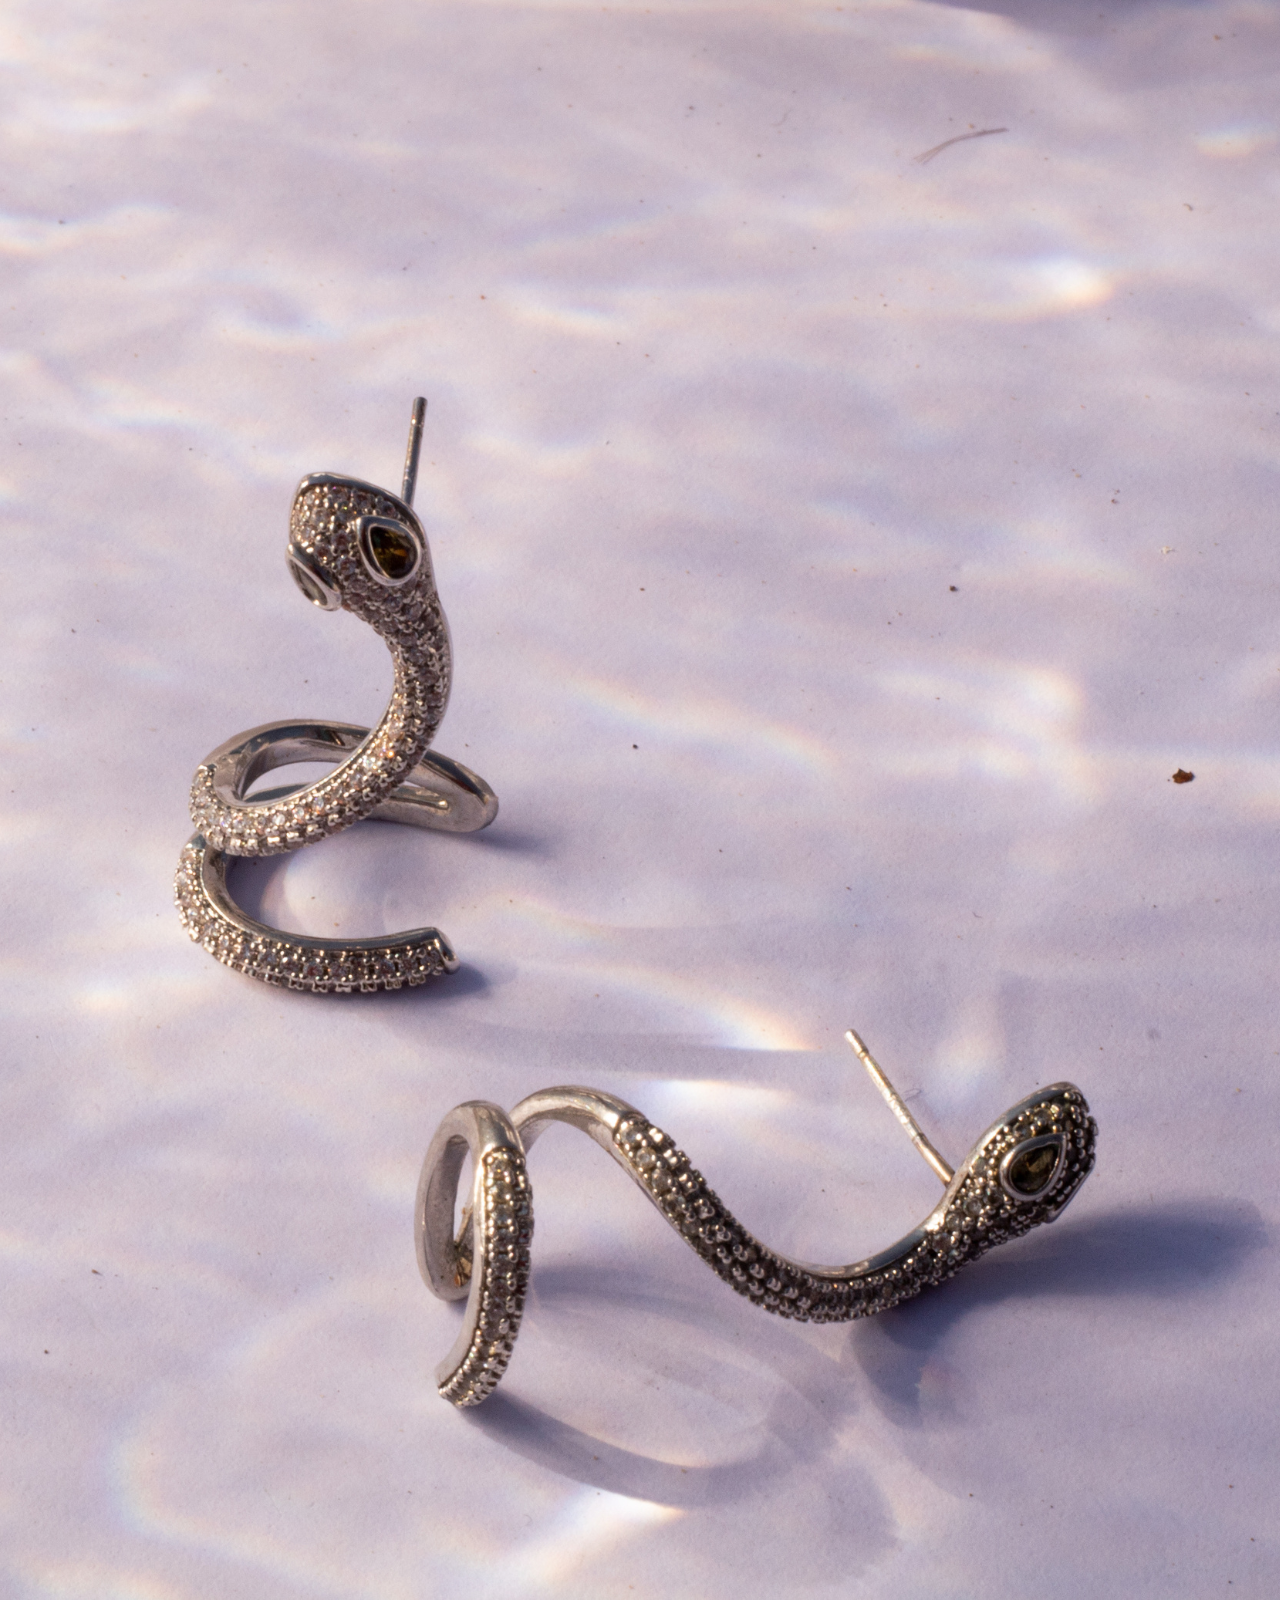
[(391, 551), (1031, 1168), (312, 579)]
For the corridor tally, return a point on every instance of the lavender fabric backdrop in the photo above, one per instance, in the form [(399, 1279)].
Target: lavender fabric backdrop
[(842, 549)]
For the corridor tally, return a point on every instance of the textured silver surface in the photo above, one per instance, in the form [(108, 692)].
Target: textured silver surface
[(975, 1214), (488, 1261), (385, 772), (323, 525), (978, 1211), (290, 960)]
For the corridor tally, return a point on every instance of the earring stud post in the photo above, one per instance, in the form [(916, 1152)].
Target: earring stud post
[(898, 1106), (411, 454)]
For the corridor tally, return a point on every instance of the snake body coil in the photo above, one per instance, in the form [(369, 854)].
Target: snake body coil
[(1021, 1172), (356, 546)]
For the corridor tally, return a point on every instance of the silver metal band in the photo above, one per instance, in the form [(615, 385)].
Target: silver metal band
[(488, 1260), (293, 960), (438, 793), (1023, 1171)]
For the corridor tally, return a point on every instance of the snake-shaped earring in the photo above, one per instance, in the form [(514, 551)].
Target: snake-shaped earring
[(1023, 1171), (356, 546)]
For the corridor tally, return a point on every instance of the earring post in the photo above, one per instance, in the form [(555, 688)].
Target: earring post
[(898, 1106), (411, 454)]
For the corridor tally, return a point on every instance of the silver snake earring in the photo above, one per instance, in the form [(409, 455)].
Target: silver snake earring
[(1023, 1171), (356, 546)]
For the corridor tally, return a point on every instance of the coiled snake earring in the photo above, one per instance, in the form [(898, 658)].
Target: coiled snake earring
[(1023, 1171), (362, 548)]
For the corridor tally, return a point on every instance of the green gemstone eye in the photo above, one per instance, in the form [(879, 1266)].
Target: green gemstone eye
[(390, 551), (1033, 1169), (1029, 1169)]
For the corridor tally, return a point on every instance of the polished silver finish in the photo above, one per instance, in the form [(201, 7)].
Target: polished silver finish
[(592, 1111), (312, 579), (386, 772), (487, 1261), (413, 451), (898, 1106), (976, 1212)]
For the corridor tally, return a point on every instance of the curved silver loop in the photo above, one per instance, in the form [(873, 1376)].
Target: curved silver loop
[(438, 793), (296, 960), (1023, 1171), (356, 546), (435, 793), (488, 1259)]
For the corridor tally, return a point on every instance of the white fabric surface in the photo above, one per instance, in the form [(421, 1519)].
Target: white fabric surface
[(842, 551)]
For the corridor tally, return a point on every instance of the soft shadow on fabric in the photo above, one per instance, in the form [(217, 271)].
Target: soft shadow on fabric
[(1151, 1252), (512, 841), (797, 1471), (799, 1427), (1076, 17)]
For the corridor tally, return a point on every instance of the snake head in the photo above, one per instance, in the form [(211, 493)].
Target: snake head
[(1045, 1150), (356, 546), (1026, 1168)]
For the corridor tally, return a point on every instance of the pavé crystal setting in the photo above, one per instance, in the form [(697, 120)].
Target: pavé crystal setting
[(503, 1256), (319, 966), (1022, 1172), (976, 1214), (410, 621), (355, 546), (487, 1261)]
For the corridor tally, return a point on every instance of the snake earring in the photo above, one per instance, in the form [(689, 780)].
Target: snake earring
[(356, 546), (1023, 1171)]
